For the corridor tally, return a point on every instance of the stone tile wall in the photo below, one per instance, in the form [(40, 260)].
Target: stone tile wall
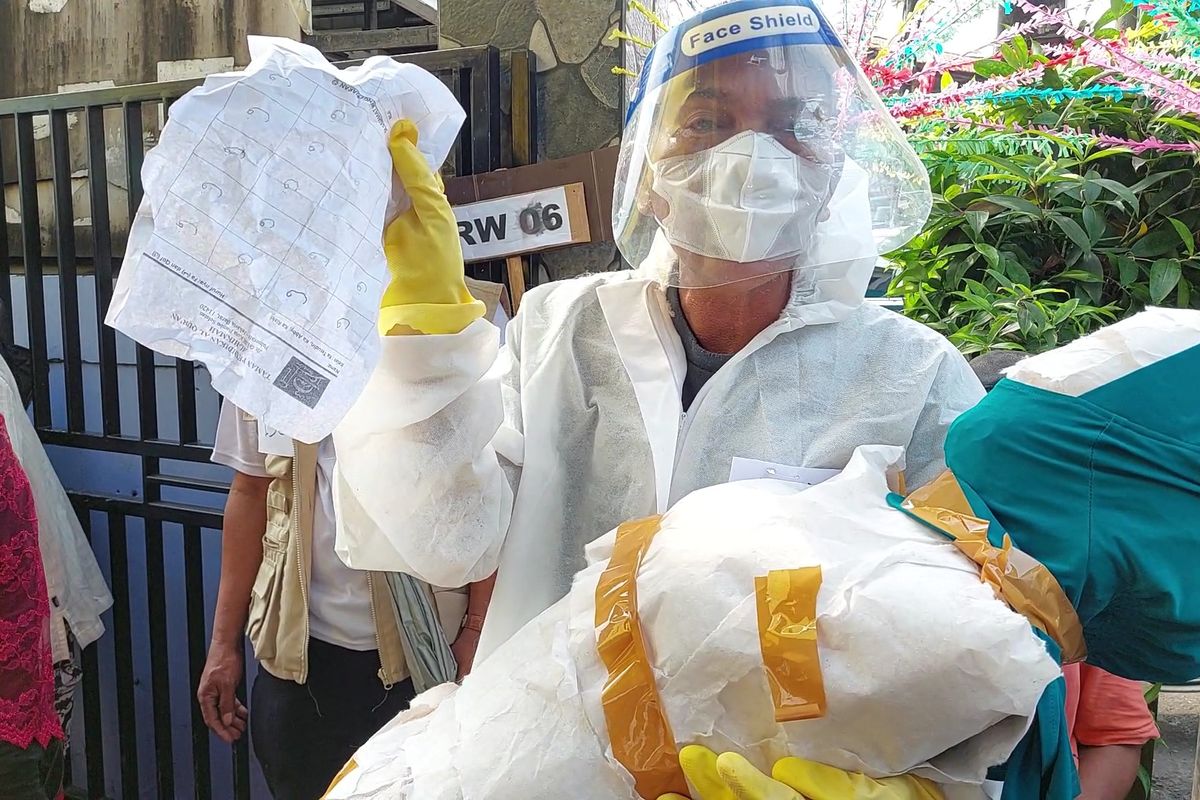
[(580, 100)]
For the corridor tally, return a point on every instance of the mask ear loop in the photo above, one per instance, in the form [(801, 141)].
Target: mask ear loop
[(645, 205), (645, 188)]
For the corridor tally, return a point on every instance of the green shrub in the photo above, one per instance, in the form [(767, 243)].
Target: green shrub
[(1038, 236)]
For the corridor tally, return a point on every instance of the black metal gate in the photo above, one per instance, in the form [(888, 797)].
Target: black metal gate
[(129, 431)]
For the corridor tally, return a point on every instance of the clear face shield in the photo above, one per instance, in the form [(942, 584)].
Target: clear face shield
[(755, 146)]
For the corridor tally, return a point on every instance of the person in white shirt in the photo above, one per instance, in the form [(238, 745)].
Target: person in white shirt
[(332, 666)]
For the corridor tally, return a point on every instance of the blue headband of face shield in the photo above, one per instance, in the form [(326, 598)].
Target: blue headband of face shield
[(730, 29)]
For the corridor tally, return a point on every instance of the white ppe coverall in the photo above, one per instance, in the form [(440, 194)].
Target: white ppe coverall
[(455, 462)]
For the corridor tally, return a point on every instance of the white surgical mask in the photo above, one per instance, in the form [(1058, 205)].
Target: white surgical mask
[(746, 200)]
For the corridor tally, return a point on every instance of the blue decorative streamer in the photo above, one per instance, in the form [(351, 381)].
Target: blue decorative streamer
[(1029, 95)]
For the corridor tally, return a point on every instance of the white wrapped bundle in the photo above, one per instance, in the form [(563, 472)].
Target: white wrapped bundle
[(1112, 352), (924, 669)]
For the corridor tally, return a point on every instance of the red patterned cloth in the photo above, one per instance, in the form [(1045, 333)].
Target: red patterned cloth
[(26, 666)]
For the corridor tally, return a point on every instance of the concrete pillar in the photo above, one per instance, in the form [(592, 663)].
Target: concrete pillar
[(580, 100)]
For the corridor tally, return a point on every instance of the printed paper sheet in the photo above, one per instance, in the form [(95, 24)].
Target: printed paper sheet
[(257, 248)]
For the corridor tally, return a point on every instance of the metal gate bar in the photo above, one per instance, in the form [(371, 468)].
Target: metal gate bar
[(68, 293), (175, 508), (31, 244), (102, 264), (6, 320)]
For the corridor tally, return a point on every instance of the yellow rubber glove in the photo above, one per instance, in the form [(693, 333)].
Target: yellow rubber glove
[(426, 292), (731, 777)]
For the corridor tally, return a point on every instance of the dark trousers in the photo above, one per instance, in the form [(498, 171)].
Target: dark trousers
[(303, 734), (35, 773)]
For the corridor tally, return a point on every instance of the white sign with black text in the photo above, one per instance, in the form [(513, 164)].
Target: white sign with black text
[(523, 223)]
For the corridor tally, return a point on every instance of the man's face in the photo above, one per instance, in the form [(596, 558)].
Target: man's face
[(782, 93), (770, 92)]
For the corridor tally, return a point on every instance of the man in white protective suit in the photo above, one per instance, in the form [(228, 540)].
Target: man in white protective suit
[(760, 178)]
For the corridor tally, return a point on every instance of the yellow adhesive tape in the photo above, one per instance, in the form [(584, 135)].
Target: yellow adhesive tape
[(638, 729), (1020, 580), (346, 770), (787, 633)]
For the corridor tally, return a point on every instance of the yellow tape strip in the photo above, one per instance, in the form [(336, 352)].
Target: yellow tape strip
[(787, 633), (1021, 581), (346, 770), (640, 735)]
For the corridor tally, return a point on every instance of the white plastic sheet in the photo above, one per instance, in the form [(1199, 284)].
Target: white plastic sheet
[(1111, 353), (924, 669), (257, 248)]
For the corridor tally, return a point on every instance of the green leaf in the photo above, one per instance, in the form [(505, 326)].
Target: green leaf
[(1090, 263), (1093, 223), (1015, 203), (1185, 293), (1164, 275), (991, 68), (1065, 310), (1094, 290), (1021, 47), (965, 199), (1071, 228), (989, 253), (1010, 56), (1181, 124), (1127, 269), (1002, 279), (1107, 153), (1189, 241), (1031, 317), (1118, 9), (1078, 276), (1006, 164), (1002, 177), (1120, 190), (1156, 243), (1153, 180), (976, 220), (1025, 319), (954, 275), (1014, 270), (952, 191)]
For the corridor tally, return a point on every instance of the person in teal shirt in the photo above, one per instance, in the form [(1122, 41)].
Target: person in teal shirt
[(1103, 489)]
